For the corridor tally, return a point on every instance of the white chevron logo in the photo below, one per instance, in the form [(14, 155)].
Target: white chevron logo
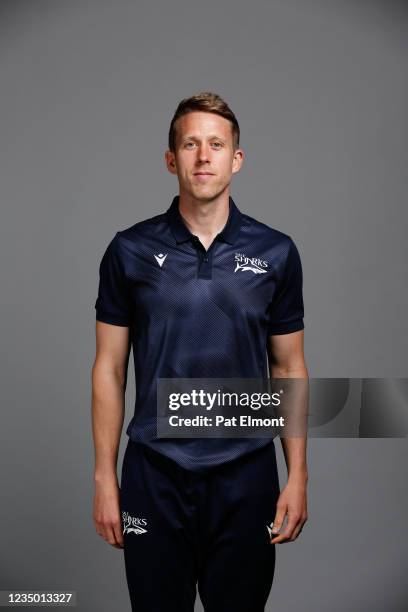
[(160, 258)]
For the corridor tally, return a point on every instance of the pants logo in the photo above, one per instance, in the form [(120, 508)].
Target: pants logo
[(132, 524), (269, 528)]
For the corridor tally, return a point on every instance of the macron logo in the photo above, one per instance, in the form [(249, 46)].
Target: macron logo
[(269, 528), (160, 258)]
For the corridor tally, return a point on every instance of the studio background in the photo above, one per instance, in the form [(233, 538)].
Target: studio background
[(88, 91)]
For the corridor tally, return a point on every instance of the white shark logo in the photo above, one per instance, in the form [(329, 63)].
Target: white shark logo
[(252, 264), (160, 258), (136, 530), (132, 524), (249, 266)]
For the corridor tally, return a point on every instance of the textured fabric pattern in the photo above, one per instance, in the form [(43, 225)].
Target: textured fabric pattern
[(194, 313)]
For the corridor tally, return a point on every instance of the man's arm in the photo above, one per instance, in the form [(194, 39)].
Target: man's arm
[(109, 375), (286, 356)]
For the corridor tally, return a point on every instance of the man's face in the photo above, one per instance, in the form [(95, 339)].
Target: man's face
[(204, 159)]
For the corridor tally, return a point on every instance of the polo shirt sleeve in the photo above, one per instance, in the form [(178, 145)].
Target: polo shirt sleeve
[(286, 311), (113, 302)]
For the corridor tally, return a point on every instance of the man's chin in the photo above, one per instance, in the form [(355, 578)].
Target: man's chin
[(206, 195)]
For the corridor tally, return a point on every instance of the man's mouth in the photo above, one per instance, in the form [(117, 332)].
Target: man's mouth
[(203, 177)]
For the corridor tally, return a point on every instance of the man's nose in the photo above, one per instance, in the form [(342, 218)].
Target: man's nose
[(203, 153)]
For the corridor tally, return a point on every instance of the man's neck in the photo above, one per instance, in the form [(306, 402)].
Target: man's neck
[(205, 219)]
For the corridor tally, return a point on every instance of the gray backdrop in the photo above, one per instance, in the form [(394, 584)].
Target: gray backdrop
[(87, 93)]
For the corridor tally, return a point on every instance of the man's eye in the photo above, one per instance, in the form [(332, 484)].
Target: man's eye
[(190, 145)]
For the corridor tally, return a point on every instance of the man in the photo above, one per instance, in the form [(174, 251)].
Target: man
[(201, 291)]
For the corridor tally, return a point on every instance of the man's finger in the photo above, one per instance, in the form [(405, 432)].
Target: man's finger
[(287, 534), (110, 535), (118, 534), (297, 531), (277, 539), (279, 518)]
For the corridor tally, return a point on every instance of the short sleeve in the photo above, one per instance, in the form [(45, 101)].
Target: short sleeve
[(286, 311), (113, 303)]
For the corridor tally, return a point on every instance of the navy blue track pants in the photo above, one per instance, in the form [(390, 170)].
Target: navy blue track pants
[(184, 529)]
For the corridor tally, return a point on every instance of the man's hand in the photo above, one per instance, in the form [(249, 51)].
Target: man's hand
[(292, 502), (106, 513)]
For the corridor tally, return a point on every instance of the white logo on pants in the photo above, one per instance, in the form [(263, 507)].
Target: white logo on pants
[(133, 524)]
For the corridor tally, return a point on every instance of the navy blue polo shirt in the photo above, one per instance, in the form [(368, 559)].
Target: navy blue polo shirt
[(194, 313)]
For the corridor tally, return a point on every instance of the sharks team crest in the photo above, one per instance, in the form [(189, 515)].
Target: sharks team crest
[(254, 264), (132, 524)]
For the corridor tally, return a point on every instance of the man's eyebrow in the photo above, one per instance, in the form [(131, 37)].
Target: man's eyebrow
[(192, 137)]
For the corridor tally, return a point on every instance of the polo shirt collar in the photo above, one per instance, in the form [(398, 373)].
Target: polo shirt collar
[(182, 233)]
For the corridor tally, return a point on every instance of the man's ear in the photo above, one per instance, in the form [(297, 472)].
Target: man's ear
[(170, 161), (237, 160)]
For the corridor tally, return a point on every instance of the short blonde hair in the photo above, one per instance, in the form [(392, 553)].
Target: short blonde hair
[(207, 102)]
